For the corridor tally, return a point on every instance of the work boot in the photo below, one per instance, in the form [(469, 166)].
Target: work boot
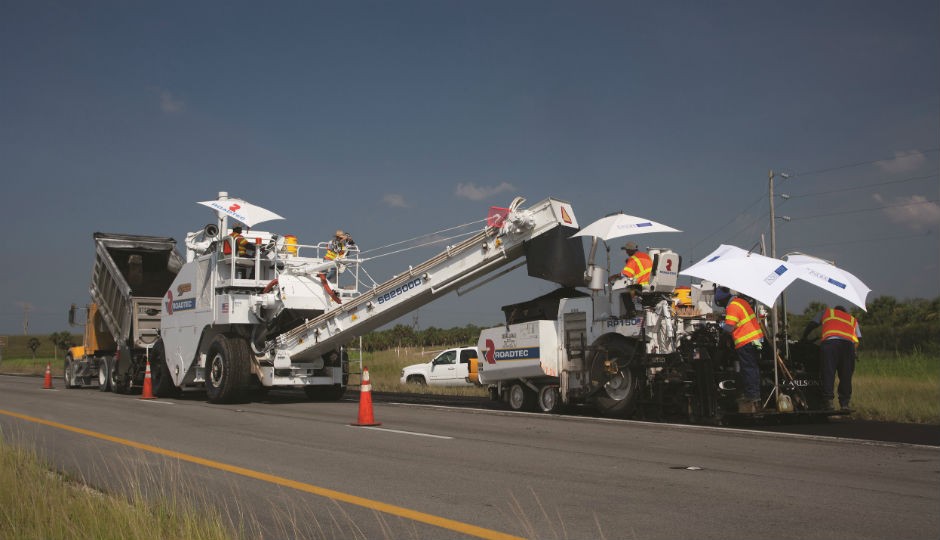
[(844, 406), (747, 406), (827, 405)]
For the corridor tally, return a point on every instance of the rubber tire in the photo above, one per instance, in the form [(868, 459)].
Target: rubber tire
[(550, 400), (161, 379), (227, 369), (121, 383), (67, 374), (417, 380), (104, 372), (521, 397), (619, 348)]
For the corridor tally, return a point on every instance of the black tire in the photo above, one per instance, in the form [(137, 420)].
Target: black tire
[(104, 374), (227, 369), (550, 400), (160, 375), (521, 397), (68, 374), (416, 380), (121, 380), (618, 396)]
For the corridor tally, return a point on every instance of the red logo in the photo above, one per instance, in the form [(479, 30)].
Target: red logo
[(169, 302), (564, 216), (234, 208), (490, 352)]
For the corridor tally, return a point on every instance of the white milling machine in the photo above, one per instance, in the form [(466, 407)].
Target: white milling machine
[(274, 319)]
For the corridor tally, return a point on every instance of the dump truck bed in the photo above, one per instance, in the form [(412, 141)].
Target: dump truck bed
[(131, 275)]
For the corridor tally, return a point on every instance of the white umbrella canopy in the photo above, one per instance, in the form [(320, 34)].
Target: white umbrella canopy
[(618, 225), (762, 278), (830, 277), (243, 211)]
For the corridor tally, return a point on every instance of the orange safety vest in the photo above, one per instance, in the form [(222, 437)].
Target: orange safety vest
[(240, 241), (638, 267), (335, 250), (839, 324), (746, 326)]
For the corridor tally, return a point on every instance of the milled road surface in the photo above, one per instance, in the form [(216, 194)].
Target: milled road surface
[(291, 468)]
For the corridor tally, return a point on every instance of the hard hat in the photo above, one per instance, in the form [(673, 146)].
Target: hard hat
[(340, 233), (237, 227), (630, 246), (722, 296)]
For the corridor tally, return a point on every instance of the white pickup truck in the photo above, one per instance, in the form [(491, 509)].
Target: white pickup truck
[(449, 368)]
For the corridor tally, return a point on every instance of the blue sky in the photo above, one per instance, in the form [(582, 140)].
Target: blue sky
[(397, 119)]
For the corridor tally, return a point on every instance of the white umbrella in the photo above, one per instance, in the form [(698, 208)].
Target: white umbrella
[(619, 225), (830, 277), (755, 275), (243, 211)]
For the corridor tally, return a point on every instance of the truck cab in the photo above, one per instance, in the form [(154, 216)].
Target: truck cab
[(450, 367)]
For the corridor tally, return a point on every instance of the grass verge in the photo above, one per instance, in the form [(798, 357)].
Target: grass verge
[(37, 503), (897, 387)]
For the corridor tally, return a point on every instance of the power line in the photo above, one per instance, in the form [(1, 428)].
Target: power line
[(813, 172), (719, 229), (929, 201), (860, 163), (870, 240), (911, 179)]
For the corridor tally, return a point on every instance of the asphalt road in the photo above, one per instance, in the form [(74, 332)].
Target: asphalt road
[(286, 467)]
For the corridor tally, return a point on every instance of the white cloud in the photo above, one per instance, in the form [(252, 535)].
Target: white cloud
[(914, 211), (474, 193), (903, 162), (395, 200), (169, 103)]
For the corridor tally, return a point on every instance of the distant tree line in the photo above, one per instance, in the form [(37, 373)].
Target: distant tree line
[(405, 336), (889, 324)]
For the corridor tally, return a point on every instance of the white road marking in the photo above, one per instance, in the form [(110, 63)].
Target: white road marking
[(405, 432)]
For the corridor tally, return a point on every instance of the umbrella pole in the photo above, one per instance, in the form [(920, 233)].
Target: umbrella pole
[(773, 348)]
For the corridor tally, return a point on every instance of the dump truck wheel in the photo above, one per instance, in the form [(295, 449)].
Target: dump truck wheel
[(104, 374), (68, 373), (227, 369), (121, 381), (521, 397), (619, 394), (550, 399), (160, 372)]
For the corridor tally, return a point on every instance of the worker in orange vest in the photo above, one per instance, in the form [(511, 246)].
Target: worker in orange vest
[(838, 352), (638, 265), (240, 242), (744, 327), (336, 249)]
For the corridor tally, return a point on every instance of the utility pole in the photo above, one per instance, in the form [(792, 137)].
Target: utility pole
[(773, 253)]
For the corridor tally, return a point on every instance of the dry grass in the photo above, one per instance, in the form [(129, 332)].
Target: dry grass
[(38, 503)]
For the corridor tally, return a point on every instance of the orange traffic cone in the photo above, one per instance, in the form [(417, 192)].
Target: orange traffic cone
[(365, 402), (148, 384), (47, 384)]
